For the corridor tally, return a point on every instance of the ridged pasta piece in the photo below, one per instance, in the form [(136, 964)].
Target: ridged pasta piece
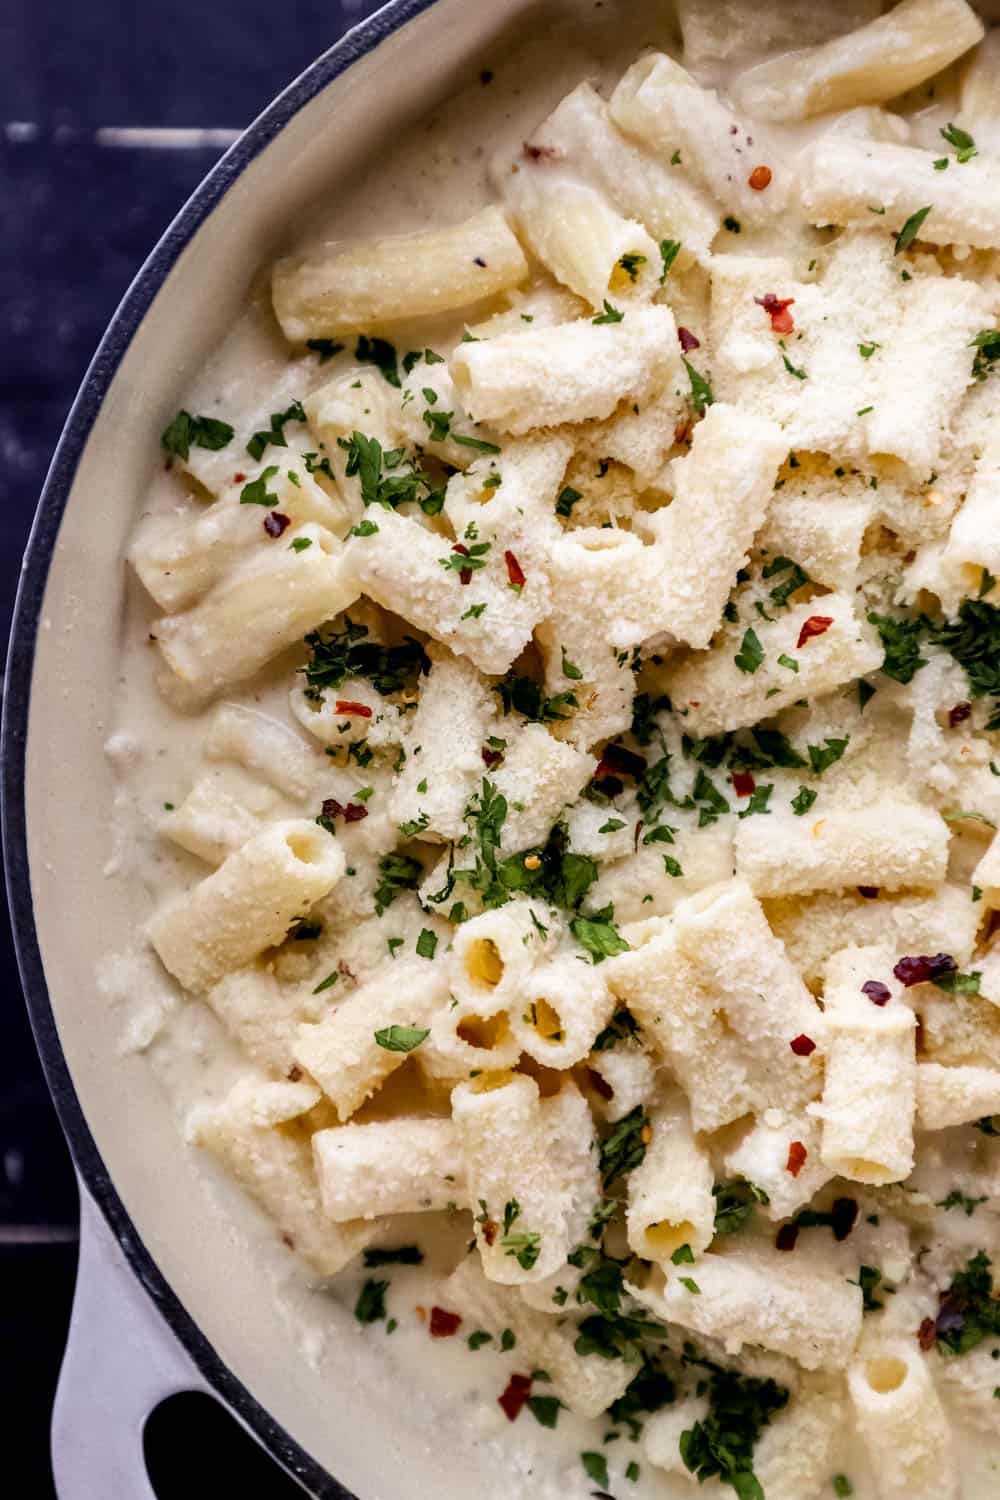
[(869, 1095), (397, 1166), (248, 904), (254, 615), (878, 61), (762, 1157), (255, 1133), (341, 1051), (718, 695), (265, 746), (344, 288), (955, 1096), (716, 33), (902, 1422), (894, 844), (538, 1154), (974, 539), (572, 373), (670, 1200)]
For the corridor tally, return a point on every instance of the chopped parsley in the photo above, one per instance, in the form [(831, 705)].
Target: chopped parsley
[(630, 263), (426, 943), (957, 1199), (381, 354), (624, 1148), (370, 1306), (599, 936), (609, 315), (338, 655), (803, 800), (669, 250), (186, 432), (735, 1204), (702, 395), (595, 1466), (900, 639), (821, 757), (525, 695), (402, 1038), (275, 434), (256, 492), (965, 146), (397, 872), (911, 229), (793, 369), (751, 652), (545, 1409), (969, 1312), (722, 1444), (325, 348), (987, 347), (568, 496)]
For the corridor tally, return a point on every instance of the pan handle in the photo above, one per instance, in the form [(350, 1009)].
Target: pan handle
[(121, 1361)]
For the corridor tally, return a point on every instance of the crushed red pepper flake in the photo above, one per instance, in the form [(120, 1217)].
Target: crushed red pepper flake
[(275, 522), (777, 310), (687, 340), (927, 1334), (617, 761), (348, 706), (491, 758), (797, 1154), (464, 574), (802, 1045), (815, 625), (844, 1213), (490, 1232), (351, 812), (514, 1398), (760, 178), (920, 969), (877, 992), (786, 1237), (958, 714), (743, 783), (514, 571), (444, 1324)]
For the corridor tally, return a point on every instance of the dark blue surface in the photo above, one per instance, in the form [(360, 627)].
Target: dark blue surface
[(79, 217)]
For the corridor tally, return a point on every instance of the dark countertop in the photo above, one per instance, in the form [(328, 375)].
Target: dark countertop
[(80, 214)]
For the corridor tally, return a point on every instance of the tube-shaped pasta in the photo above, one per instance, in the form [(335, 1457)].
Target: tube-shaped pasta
[(348, 287), (955, 1096), (763, 1154), (341, 1052), (902, 1422), (869, 1097), (254, 615), (398, 1166), (760, 1296), (265, 746), (220, 813), (580, 137), (532, 1168), (974, 539), (659, 104), (492, 955), (586, 1385), (729, 473), (616, 1080), (254, 1133), (718, 695), (248, 904), (179, 557), (264, 1015), (717, 33), (540, 775), (580, 238), (894, 844), (978, 104), (455, 709), (400, 566), (564, 1008), (877, 62), (843, 177), (798, 1450), (570, 373), (670, 1200)]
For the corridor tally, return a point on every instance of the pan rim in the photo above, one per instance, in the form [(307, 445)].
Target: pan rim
[(115, 343)]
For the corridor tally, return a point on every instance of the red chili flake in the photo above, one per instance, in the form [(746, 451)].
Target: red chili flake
[(464, 574), (542, 153), (797, 1154), (688, 340), (914, 970), (617, 761), (239, 478), (491, 758), (638, 830), (844, 1214), (743, 783), (514, 571), (444, 1324), (802, 1045), (760, 178), (275, 522), (786, 1237), (815, 625), (927, 1334), (877, 992), (683, 430), (870, 892), (352, 812), (348, 706), (490, 1232), (777, 310), (958, 714), (514, 1397), (294, 1073)]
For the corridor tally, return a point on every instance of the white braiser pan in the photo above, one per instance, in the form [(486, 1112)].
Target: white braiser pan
[(168, 1299)]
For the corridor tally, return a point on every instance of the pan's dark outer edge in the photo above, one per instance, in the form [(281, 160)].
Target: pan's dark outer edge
[(361, 40)]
